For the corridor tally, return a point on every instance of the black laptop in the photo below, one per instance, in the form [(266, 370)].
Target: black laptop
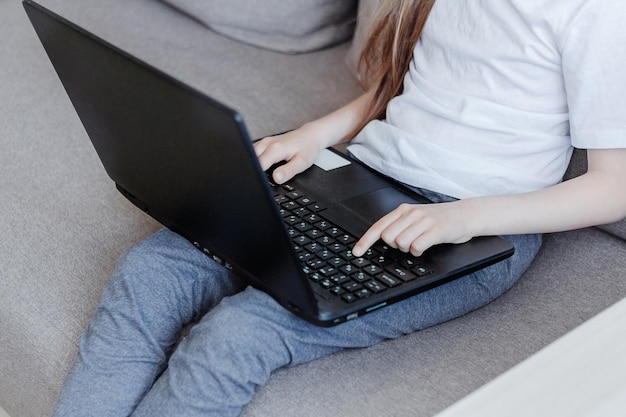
[(187, 161)]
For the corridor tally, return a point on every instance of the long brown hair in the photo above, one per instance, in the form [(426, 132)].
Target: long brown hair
[(387, 54)]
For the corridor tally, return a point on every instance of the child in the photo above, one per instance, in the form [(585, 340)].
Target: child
[(480, 115)]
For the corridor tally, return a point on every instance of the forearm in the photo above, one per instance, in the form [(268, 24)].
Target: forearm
[(588, 200), (337, 126)]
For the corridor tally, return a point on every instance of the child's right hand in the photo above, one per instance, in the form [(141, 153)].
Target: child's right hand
[(301, 147), (298, 148)]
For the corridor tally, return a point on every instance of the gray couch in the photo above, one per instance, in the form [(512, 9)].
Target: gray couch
[(63, 225)]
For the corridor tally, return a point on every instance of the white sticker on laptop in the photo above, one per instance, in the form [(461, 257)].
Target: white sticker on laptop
[(328, 160)]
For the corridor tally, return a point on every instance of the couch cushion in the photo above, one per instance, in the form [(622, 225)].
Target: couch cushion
[(290, 26), (365, 21)]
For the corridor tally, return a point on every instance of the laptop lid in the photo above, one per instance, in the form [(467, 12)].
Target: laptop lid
[(151, 134)]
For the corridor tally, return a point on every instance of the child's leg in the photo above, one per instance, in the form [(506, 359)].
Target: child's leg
[(217, 368), (159, 286)]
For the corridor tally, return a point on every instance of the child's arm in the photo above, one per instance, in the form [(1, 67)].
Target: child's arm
[(596, 197), (300, 147)]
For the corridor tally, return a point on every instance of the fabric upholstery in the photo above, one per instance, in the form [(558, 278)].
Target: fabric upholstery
[(292, 26), (63, 225), (365, 20)]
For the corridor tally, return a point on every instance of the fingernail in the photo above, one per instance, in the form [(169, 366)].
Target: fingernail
[(278, 176)]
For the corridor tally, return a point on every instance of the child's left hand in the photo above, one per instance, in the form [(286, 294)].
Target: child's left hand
[(416, 227)]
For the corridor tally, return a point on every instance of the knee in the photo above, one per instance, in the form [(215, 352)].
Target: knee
[(249, 318), (251, 311), (161, 254), (500, 277), (153, 266), (159, 246), (238, 334)]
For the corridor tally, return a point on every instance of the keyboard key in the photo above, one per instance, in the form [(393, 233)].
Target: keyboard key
[(314, 233), (302, 226), (336, 262), (315, 264), (325, 240), (290, 205), (291, 220), (325, 254), (316, 207), (388, 279), (421, 271), (352, 286), (401, 273), (312, 218), (346, 239), (360, 262), (345, 252), (305, 201), (316, 277), (280, 199), (409, 263), (375, 286), (305, 256), (326, 283), (322, 225), (339, 249), (363, 293), (372, 269), (314, 247), (349, 269), (334, 231), (301, 212), (360, 276), (348, 297), (383, 260), (340, 279), (301, 240), (327, 271), (336, 291)]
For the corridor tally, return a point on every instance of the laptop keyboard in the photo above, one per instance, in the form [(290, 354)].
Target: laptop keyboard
[(325, 252)]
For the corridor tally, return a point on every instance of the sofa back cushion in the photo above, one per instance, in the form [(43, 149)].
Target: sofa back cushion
[(365, 21), (289, 26)]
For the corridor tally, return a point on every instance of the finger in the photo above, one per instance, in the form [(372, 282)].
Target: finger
[(269, 151), (406, 233), (423, 243), (373, 234), (261, 145), (294, 166)]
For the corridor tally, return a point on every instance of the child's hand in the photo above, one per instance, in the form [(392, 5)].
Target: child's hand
[(416, 227), (297, 148), (301, 147)]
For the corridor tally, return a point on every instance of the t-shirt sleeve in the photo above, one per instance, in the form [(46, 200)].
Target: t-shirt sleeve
[(593, 49)]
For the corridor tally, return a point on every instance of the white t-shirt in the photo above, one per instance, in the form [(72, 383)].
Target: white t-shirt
[(499, 91)]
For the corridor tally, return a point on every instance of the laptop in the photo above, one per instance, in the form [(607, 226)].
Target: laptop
[(188, 161)]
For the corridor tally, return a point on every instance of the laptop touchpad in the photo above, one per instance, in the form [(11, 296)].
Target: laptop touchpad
[(374, 205)]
